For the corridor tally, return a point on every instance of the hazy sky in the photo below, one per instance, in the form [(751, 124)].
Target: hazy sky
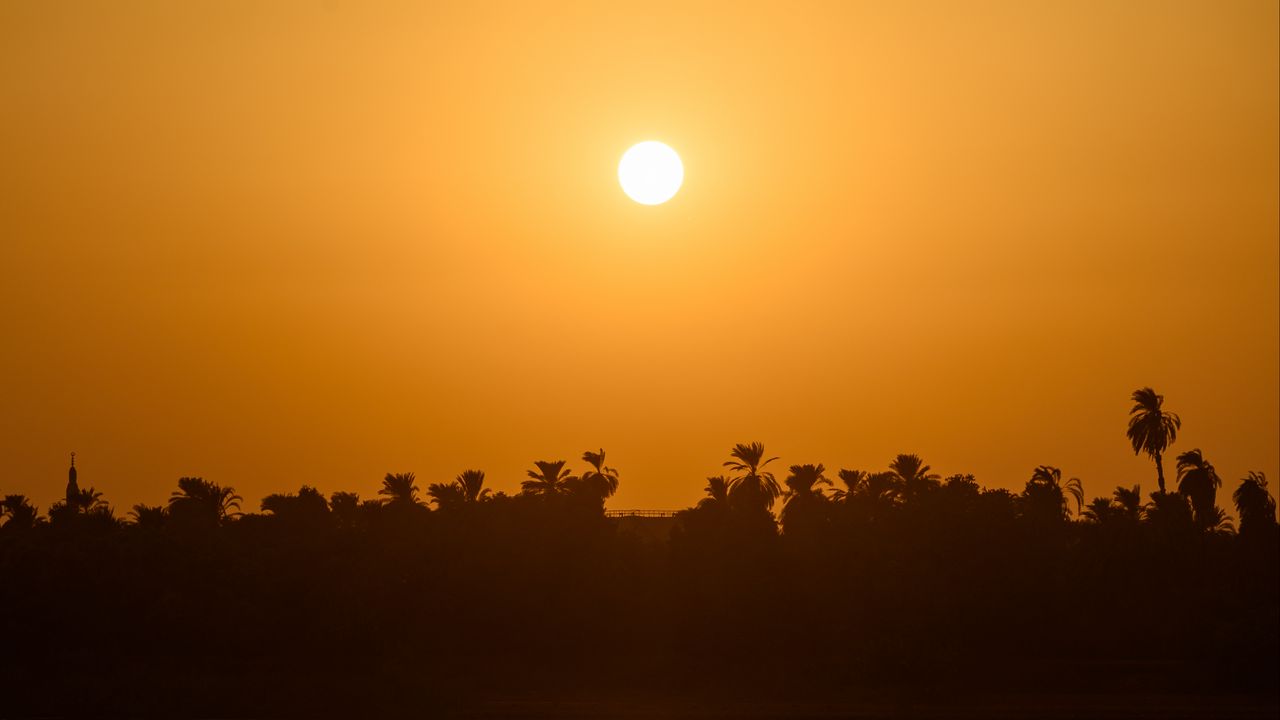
[(272, 243)]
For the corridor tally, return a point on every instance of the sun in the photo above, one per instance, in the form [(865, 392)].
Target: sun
[(650, 173)]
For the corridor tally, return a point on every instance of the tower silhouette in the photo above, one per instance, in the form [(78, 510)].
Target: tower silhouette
[(73, 488)]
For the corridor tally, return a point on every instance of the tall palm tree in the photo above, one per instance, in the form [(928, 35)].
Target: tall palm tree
[(1199, 482), (912, 475), (1151, 429), (550, 478), (198, 497), (601, 479), (753, 484), (1254, 503), (717, 490), (400, 489)]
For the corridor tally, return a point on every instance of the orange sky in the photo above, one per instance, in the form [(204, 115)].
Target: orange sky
[(273, 244)]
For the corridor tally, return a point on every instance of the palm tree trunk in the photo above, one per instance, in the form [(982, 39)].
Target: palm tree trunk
[(1160, 472)]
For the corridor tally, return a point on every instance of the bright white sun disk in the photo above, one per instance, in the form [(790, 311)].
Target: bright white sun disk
[(650, 173)]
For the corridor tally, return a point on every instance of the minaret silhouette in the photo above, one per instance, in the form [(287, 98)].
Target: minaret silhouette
[(73, 489)]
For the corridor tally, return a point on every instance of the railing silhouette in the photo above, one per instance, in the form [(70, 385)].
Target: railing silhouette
[(640, 513)]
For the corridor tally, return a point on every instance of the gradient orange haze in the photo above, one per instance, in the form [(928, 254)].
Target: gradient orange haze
[(274, 243)]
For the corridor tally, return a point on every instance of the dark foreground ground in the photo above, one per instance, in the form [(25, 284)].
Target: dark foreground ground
[(1012, 707)]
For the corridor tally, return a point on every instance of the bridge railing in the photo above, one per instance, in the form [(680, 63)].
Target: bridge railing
[(640, 513)]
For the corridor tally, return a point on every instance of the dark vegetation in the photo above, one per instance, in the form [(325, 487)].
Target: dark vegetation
[(865, 582)]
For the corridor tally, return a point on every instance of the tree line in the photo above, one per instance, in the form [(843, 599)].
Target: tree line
[(807, 493), (861, 579)]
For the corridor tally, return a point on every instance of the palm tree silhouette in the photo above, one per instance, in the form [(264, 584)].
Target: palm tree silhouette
[(753, 485), (399, 489), (1168, 511), (1129, 500), (912, 475), (1101, 510), (550, 478), (1199, 482), (22, 514), (472, 484), (870, 487), (855, 482), (717, 490), (446, 495), (1151, 429), (1254, 503), (345, 507), (804, 481), (1125, 504), (1217, 521), (197, 497), (803, 490), (1046, 489), (600, 479), (88, 500), (147, 516), (1052, 476), (468, 487)]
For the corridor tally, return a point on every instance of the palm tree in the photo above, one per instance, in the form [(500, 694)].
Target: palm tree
[(1101, 510), (1254, 503), (753, 484), (912, 475), (197, 497), (803, 491), (468, 487), (1217, 522), (345, 507), (22, 514), (400, 489), (147, 516), (1168, 511), (601, 479), (855, 483), (1125, 504), (867, 494), (1199, 482), (804, 481), (446, 495), (717, 490), (1151, 429), (88, 501), (1046, 487), (472, 484), (1129, 500), (550, 478)]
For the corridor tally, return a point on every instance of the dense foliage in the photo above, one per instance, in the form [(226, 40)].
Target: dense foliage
[(893, 579)]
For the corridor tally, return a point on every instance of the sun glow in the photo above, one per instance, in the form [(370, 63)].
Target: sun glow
[(650, 173)]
